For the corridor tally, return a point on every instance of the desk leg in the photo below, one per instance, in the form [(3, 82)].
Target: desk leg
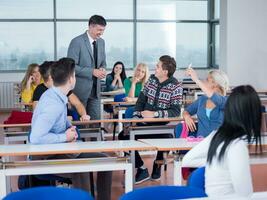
[(3, 183), (129, 179), (132, 154), (102, 117), (121, 112), (133, 165), (7, 159), (177, 172)]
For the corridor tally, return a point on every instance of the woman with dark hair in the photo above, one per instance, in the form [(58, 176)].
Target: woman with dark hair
[(115, 79), (225, 152)]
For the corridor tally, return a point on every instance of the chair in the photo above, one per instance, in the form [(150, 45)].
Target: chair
[(164, 193), (129, 112), (197, 179), (49, 193)]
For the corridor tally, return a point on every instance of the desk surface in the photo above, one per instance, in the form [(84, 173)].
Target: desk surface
[(122, 103), (113, 93), (171, 119), (74, 147), (172, 144)]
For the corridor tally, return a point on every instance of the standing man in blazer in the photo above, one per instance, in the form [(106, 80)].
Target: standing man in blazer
[(88, 51)]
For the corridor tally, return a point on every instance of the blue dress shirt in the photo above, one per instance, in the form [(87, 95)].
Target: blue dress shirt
[(49, 121), (207, 124)]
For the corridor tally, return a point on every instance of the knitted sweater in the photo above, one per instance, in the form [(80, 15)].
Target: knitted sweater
[(164, 98)]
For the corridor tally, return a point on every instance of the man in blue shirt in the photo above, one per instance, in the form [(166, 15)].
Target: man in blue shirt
[(50, 125)]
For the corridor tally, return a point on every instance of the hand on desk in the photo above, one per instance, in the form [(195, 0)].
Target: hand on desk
[(85, 118), (190, 123), (147, 114), (71, 134), (130, 99)]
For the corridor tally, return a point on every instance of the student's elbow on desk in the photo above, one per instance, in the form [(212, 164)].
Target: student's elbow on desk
[(34, 140)]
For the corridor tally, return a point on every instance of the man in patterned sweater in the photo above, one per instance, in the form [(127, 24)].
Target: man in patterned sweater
[(161, 97)]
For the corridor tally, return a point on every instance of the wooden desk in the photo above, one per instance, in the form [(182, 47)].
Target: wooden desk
[(176, 144), (23, 135), (133, 120), (73, 147), (122, 103), (72, 166), (112, 93)]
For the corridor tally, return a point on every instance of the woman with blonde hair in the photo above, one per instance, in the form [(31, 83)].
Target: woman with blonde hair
[(209, 108), (134, 85), (30, 81)]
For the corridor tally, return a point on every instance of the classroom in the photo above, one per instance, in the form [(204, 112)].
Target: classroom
[(133, 99)]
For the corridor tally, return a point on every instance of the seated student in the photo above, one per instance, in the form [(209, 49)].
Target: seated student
[(224, 152), (161, 97), (209, 108), (115, 79), (30, 81), (48, 82), (134, 85), (51, 125)]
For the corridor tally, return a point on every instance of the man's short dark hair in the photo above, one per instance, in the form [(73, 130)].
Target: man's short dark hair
[(97, 20), (169, 64), (44, 69), (62, 70)]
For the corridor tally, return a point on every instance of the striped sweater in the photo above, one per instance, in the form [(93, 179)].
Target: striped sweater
[(164, 98)]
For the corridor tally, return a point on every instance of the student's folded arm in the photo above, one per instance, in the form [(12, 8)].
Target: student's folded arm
[(197, 156), (140, 104), (34, 104), (42, 124), (75, 101), (176, 102), (109, 86), (127, 86), (26, 96), (240, 173)]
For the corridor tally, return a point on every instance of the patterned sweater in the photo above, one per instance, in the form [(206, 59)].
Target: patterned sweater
[(164, 98)]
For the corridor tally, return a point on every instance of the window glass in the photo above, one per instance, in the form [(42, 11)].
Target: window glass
[(22, 43), (83, 9), (26, 9), (172, 10)]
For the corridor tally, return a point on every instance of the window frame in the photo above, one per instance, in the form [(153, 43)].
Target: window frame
[(211, 22)]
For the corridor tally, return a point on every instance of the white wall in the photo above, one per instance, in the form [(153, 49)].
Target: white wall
[(243, 41)]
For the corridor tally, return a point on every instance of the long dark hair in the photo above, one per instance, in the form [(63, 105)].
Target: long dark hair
[(123, 73), (242, 119)]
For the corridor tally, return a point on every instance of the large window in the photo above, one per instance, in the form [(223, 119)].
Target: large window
[(215, 33), (137, 30)]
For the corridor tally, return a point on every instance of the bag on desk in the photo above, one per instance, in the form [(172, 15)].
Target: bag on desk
[(18, 117)]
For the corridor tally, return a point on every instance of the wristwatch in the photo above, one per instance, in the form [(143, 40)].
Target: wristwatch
[(156, 114)]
